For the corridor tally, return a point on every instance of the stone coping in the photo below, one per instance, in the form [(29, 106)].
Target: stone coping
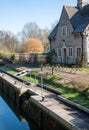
[(50, 89), (82, 108)]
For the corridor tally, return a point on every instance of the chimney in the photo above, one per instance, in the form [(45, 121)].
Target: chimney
[(81, 3)]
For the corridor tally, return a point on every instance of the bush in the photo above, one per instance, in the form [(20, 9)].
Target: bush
[(7, 60), (13, 57), (87, 93), (33, 45), (34, 72), (81, 62), (52, 57), (54, 77), (2, 54)]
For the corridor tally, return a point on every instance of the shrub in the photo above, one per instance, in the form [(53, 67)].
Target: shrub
[(52, 57), (81, 62), (33, 45), (54, 77), (80, 83), (34, 72), (87, 93)]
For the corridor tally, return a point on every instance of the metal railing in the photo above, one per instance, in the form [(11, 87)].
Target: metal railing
[(40, 83), (23, 82)]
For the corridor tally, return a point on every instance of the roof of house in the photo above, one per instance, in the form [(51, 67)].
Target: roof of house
[(53, 33), (78, 18)]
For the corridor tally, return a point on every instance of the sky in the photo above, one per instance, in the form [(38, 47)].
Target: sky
[(14, 14)]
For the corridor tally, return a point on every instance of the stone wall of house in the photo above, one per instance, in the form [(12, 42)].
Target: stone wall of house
[(52, 44), (65, 42), (70, 40)]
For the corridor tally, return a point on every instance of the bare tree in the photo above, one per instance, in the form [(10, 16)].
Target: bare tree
[(44, 39), (8, 41), (30, 30)]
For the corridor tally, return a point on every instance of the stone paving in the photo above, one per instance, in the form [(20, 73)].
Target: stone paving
[(73, 118)]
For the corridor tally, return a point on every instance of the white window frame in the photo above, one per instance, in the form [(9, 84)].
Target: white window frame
[(64, 30), (70, 52), (78, 51), (59, 52)]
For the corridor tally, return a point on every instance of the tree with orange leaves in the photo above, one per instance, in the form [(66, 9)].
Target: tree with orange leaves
[(33, 45)]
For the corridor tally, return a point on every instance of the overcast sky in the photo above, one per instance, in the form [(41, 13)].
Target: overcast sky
[(15, 13)]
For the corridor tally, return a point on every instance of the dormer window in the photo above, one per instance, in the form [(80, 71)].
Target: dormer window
[(64, 29)]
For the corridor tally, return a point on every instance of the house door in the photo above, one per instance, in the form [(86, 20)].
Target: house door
[(64, 56)]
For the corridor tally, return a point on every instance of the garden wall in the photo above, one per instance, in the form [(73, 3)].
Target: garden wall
[(32, 58)]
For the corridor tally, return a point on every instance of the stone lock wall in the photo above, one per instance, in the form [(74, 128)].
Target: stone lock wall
[(44, 118), (10, 90)]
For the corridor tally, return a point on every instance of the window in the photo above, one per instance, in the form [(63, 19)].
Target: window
[(59, 52), (64, 30), (70, 51), (78, 52)]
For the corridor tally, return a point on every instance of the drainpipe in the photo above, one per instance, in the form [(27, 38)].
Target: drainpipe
[(82, 44)]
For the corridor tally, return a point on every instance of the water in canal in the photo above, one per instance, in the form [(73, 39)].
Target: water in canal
[(11, 118)]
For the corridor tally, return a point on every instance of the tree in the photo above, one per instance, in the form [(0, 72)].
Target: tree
[(44, 39), (30, 30), (33, 45), (8, 41)]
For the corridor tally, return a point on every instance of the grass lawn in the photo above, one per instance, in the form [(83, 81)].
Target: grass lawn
[(69, 93), (8, 70)]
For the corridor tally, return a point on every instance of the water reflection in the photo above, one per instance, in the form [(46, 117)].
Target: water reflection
[(10, 120)]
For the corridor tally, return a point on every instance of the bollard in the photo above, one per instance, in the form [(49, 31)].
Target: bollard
[(30, 76), (43, 98), (35, 77), (2, 74), (42, 88), (35, 84), (35, 80), (15, 82), (52, 69), (41, 67), (22, 84)]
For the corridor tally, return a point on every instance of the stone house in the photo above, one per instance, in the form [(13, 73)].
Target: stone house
[(70, 37)]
